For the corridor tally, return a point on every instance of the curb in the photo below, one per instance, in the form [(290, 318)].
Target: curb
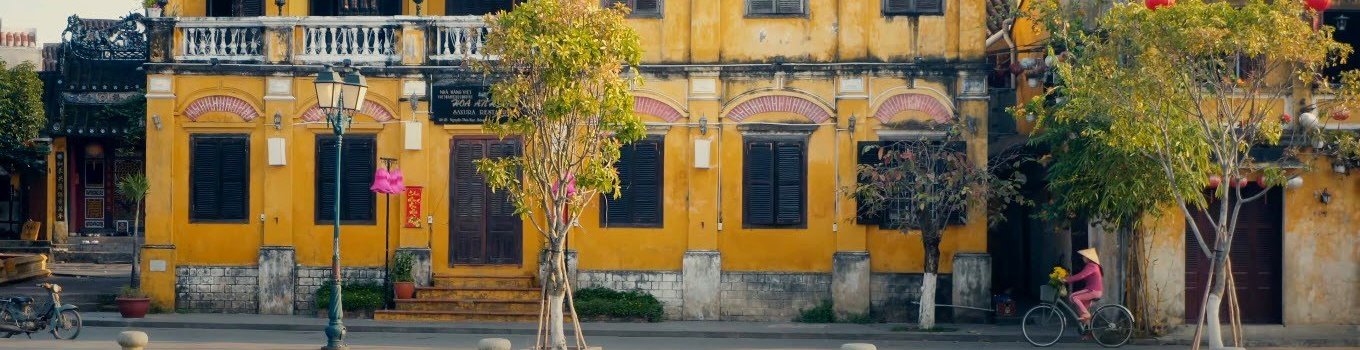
[(895, 336)]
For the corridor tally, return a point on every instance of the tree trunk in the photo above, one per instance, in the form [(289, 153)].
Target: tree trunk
[(1213, 329), (556, 288), (136, 282), (926, 316)]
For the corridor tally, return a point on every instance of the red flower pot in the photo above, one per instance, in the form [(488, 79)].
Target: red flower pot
[(404, 290), (133, 307)]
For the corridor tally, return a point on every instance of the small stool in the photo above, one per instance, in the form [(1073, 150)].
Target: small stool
[(493, 344), (858, 346)]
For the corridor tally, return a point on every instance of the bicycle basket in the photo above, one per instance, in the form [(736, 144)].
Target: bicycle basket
[(1047, 293)]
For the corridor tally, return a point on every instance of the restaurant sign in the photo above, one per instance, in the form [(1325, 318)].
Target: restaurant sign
[(460, 104)]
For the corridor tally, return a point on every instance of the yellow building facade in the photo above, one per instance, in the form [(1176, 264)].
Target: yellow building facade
[(1293, 246), (719, 81)]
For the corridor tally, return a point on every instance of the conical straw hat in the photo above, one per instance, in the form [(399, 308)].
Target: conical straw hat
[(1090, 253)]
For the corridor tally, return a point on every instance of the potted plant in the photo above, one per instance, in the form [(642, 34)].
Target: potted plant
[(135, 187), (132, 302), (403, 284), (153, 8)]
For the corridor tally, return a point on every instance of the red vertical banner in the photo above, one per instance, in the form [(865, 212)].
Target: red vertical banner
[(413, 206)]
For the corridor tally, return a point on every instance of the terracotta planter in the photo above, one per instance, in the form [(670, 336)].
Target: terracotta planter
[(133, 307), (404, 290)]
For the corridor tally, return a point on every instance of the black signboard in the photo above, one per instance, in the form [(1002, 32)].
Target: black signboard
[(460, 104)]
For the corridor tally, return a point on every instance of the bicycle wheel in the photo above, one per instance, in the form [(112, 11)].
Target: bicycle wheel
[(67, 326), (1043, 325), (1112, 325)]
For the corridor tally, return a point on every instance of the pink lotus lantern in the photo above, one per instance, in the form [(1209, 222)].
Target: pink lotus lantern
[(381, 179), (396, 182)]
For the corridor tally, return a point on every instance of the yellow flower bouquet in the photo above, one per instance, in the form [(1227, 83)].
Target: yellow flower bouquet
[(1058, 280)]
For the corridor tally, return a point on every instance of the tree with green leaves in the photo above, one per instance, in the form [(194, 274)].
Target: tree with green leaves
[(21, 113), (1165, 99), (562, 73), (927, 183), (135, 187)]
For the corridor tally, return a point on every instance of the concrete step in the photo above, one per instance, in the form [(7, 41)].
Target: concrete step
[(478, 293), (455, 316), (468, 305), (93, 257), (17, 243), (478, 282)]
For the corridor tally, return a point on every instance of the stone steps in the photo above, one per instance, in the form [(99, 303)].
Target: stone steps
[(471, 299), (478, 293)]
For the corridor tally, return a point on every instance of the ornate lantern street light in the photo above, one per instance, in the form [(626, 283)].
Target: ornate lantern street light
[(340, 99)]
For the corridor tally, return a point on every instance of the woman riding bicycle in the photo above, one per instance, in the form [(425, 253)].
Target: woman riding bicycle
[(1090, 274)]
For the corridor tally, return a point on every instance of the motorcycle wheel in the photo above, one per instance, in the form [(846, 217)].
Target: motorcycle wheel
[(68, 325), (5, 317)]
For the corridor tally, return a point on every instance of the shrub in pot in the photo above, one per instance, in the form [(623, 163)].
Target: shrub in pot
[(132, 303), (403, 284)]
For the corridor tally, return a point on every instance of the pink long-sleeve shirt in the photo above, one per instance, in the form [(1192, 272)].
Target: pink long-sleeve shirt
[(1091, 275)]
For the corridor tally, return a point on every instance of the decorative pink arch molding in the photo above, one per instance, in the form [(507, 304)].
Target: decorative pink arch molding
[(371, 109), (779, 103), (913, 102), (220, 103), (656, 108)]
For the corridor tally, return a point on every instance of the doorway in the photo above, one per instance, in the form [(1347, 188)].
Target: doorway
[(1256, 255), (483, 227)]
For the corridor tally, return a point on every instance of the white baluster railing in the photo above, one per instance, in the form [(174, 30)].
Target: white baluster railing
[(358, 39), (459, 38), (203, 39)]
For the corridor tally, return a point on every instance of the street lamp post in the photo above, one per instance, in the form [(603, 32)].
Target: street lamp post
[(339, 99)]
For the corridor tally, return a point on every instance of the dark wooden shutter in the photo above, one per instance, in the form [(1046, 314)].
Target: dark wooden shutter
[(251, 8), (235, 177), (897, 6), (325, 178), (646, 183), (929, 6), (788, 7), (503, 233), (646, 7), (758, 199), (789, 190), (359, 203), (760, 7), (868, 155), (616, 210), (205, 178), (960, 217), (475, 7), (469, 203)]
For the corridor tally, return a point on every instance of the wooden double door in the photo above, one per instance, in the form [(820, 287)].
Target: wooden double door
[(1257, 259), (484, 229)]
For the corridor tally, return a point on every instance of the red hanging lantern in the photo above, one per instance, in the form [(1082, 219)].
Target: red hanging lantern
[(1214, 181), (1262, 181), (1286, 118), (1316, 5), (1341, 114), (1242, 182), (1154, 4)]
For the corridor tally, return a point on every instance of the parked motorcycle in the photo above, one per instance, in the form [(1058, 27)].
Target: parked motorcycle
[(17, 315)]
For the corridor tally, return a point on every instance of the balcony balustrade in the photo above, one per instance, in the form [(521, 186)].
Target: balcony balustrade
[(363, 40)]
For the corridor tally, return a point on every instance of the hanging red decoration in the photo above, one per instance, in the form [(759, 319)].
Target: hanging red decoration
[(1286, 118), (1341, 114), (1262, 181), (1242, 182), (1316, 5), (1154, 4), (1214, 181)]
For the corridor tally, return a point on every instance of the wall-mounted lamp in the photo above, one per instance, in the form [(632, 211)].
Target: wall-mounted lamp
[(1341, 22), (415, 104), (971, 121), (853, 120), (418, 2), (156, 119), (278, 121), (280, 4), (1325, 196), (703, 125)]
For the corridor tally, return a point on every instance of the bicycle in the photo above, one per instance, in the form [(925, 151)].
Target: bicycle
[(1111, 325)]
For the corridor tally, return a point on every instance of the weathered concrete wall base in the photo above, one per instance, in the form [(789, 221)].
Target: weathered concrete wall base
[(702, 277), (894, 296), (422, 269), (311, 278), (217, 289), (850, 283), (666, 286), (275, 280), (972, 287), (771, 296)]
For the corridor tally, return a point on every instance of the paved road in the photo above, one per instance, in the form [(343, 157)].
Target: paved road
[(102, 338)]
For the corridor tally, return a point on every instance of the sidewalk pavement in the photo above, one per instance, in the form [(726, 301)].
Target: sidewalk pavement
[(1294, 336)]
